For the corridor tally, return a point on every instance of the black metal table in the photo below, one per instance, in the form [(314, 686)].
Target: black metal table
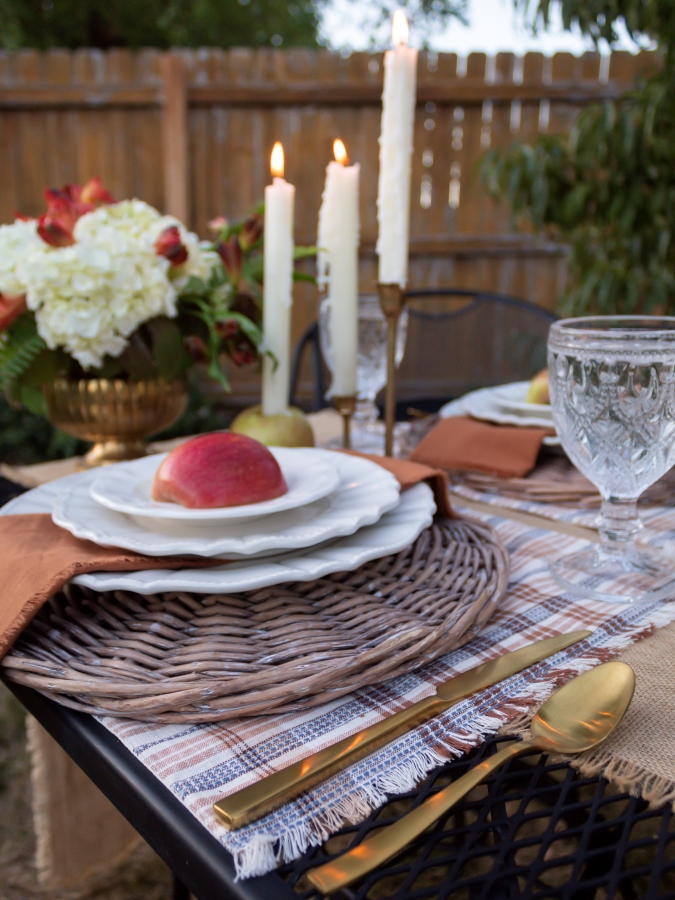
[(535, 830)]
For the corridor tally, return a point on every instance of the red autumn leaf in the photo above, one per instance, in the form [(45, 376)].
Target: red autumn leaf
[(228, 328), (251, 231), (170, 245), (243, 357), (56, 226), (231, 255), (196, 347), (93, 192), (218, 223), (10, 308)]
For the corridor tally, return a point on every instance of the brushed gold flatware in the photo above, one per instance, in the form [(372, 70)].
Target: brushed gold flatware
[(269, 793), (577, 717)]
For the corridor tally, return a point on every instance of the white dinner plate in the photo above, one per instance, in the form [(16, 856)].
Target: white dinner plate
[(126, 487), (395, 531), (482, 404), (365, 492)]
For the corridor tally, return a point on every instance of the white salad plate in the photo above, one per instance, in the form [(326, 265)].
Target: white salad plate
[(365, 492), (487, 404), (126, 487), (511, 399), (395, 531)]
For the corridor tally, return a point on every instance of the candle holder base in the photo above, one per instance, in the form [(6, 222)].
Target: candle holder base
[(392, 301), (286, 429), (346, 406)]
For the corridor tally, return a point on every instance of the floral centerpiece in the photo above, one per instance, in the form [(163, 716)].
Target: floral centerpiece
[(97, 289)]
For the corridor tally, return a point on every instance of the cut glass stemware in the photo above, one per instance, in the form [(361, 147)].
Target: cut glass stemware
[(612, 381)]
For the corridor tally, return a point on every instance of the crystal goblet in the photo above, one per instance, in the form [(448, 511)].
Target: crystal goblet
[(372, 353), (612, 383)]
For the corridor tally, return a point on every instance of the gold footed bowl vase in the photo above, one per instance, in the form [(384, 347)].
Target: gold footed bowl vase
[(118, 416)]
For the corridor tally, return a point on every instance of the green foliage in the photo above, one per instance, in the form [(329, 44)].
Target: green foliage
[(608, 189), (156, 23), (27, 438), (20, 346)]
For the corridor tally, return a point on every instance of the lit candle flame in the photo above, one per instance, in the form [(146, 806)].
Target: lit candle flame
[(277, 161), (399, 28), (340, 152)]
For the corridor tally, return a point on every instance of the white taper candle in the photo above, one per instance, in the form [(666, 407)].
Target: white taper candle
[(277, 287), (396, 145), (338, 265)]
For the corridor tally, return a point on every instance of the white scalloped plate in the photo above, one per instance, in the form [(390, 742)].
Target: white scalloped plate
[(366, 491), (395, 531), (126, 487)]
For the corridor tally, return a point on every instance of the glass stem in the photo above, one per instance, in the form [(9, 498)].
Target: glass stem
[(366, 412), (618, 525)]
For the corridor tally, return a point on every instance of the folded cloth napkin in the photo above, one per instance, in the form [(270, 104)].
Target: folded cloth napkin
[(469, 445), (409, 473), (38, 557)]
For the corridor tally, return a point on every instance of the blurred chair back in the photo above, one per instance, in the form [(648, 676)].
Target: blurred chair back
[(460, 340), (308, 349)]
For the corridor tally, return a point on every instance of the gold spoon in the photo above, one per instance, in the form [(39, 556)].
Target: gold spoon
[(577, 717)]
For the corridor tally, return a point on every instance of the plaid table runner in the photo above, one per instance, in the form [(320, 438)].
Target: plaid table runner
[(201, 764)]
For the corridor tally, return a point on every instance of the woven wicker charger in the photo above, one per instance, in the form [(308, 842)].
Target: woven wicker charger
[(179, 658)]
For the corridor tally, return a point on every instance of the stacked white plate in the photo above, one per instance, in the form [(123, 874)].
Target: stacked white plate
[(340, 511), (504, 404)]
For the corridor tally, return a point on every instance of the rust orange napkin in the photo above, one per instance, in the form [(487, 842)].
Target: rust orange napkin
[(469, 445), (38, 558), (409, 473)]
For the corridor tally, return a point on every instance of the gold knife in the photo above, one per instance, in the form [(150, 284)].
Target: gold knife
[(271, 792)]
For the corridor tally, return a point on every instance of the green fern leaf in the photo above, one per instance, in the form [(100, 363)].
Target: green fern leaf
[(19, 347)]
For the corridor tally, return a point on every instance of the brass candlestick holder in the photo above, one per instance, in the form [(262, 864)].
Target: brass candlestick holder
[(392, 301), (346, 407)]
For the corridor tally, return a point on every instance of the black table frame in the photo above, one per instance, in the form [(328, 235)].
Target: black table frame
[(195, 857), (483, 850)]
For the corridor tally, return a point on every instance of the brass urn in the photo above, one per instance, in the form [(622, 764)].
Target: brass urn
[(117, 415)]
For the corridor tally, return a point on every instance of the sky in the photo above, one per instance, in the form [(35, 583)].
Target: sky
[(493, 27)]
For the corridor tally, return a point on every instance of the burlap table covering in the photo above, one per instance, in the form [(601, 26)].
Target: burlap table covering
[(639, 756)]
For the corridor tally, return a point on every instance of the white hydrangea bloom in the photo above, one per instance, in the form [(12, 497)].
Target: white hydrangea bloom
[(18, 241), (89, 297)]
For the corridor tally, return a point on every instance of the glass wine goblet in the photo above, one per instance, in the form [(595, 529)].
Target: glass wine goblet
[(371, 354), (612, 384)]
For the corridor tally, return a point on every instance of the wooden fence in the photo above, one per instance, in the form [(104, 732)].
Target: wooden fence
[(191, 133)]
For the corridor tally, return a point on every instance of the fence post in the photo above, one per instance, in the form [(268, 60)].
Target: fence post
[(175, 137)]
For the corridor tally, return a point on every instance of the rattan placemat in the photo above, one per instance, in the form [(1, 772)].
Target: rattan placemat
[(180, 657)]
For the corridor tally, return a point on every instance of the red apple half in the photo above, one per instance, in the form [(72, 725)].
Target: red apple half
[(216, 470)]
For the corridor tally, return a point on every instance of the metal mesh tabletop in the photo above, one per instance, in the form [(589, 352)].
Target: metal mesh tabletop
[(536, 829)]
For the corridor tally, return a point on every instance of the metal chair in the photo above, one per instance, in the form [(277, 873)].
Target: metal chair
[(458, 340)]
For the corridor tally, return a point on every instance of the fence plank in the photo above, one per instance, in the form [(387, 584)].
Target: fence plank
[(191, 132), (175, 137)]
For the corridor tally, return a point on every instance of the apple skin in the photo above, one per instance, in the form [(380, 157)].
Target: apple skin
[(216, 470), (538, 392), (289, 429)]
